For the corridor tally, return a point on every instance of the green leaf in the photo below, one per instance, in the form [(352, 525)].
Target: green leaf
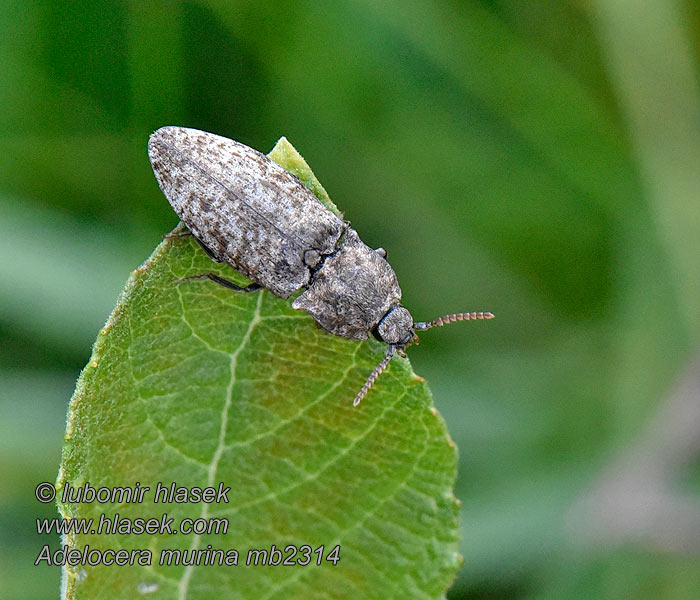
[(195, 384), (288, 156)]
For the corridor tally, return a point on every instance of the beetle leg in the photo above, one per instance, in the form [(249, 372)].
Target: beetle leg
[(188, 233), (251, 287), (210, 254), (180, 231)]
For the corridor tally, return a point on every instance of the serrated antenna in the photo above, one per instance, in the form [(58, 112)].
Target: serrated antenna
[(378, 370), (444, 320)]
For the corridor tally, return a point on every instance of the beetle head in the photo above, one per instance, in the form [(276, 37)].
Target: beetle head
[(398, 330)]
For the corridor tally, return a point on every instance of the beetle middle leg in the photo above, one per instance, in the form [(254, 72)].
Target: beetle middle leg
[(251, 287)]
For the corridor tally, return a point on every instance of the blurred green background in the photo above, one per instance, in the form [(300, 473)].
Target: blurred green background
[(539, 159)]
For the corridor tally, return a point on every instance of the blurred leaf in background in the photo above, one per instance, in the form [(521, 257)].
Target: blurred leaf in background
[(536, 159)]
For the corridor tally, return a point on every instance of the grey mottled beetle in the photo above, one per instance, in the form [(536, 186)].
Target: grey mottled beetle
[(249, 212)]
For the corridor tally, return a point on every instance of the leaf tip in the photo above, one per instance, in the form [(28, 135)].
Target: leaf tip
[(288, 157)]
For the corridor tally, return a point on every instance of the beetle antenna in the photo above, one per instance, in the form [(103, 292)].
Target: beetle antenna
[(376, 373), (440, 321)]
